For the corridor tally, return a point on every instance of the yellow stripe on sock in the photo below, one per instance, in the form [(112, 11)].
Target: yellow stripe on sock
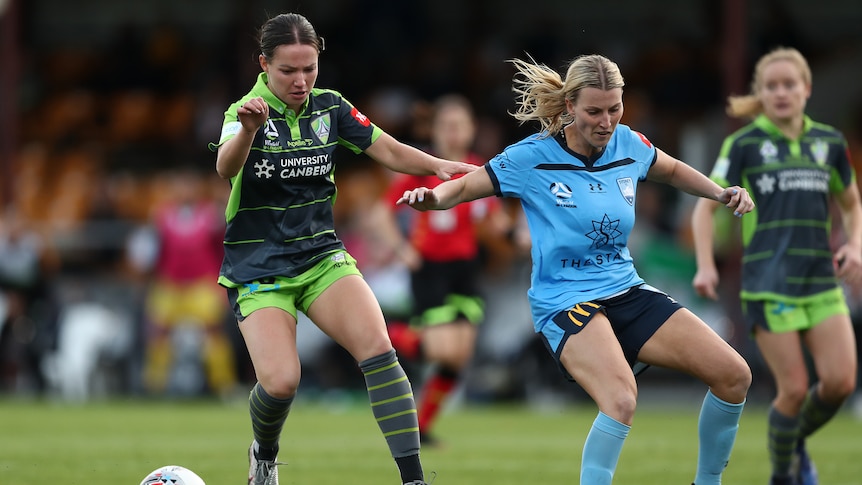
[(402, 431), (392, 399), (381, 386), (395, 415)]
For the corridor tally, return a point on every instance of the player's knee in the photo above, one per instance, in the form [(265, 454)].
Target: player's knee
[(734, 382), (793, 391), (624, 408), (620, 404), (369, 344), (450, 357), (280, 385), (837, 388), (741, 378)]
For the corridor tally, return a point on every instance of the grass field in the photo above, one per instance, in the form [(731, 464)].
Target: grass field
[(119, 442)]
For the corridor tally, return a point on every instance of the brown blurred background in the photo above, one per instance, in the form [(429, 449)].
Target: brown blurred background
[(103, 102)]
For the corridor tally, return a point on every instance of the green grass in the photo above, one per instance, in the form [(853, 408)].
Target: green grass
[(120, 442)]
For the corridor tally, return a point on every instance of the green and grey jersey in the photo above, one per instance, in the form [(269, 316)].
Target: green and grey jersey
[(279, 215), (787, 256)]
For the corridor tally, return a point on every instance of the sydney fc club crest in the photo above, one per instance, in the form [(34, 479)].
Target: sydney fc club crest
[(627, 189)]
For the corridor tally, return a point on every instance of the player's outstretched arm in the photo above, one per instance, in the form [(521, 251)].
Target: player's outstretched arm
[(472, 186), (677, 173), (400, 157)]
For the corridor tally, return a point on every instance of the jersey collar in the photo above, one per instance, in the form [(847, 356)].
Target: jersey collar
[(769, 127)]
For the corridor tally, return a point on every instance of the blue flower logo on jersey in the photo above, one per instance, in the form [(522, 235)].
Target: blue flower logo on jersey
[(321, 127), (627, 189), (605, 232)]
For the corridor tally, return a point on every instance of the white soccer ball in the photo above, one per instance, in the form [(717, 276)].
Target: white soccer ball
[(172, 475)]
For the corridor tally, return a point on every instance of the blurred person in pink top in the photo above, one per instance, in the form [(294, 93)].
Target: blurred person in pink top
[(188, 229)]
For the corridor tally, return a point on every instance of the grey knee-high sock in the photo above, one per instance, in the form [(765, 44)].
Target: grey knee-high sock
[(783, 433), (394, 408), (267, 419), (392, 403), (815, 413)]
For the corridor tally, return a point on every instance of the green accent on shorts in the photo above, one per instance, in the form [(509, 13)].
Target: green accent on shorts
[(472, 308), (780, 316), (298, 293)]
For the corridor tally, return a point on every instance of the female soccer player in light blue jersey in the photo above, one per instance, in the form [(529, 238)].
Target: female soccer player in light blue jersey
[(577, 181)]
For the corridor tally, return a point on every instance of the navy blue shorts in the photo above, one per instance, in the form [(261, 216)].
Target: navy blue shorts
[(634, 315)]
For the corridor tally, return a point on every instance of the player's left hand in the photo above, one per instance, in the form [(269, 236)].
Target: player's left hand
[(737, 199), (445, 171)]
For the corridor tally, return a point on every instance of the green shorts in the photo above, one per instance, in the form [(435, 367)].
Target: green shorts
[(291, 294), (793, 316)]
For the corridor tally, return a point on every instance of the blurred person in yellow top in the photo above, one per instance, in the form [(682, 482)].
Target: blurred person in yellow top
[(187, 229)]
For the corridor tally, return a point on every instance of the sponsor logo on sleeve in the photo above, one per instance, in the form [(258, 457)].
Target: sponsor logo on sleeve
[(722, 166), (361, 118), (643, 139), (230, 129)]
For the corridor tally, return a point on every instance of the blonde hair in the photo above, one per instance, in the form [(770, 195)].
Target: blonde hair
[(542, 93), (749, 105)]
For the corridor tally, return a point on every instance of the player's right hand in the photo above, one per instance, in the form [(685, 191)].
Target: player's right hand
[(421, 199), (705, 282), (253, 114)]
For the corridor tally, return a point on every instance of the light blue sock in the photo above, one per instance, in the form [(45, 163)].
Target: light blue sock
[(719, 421), (602, 450)]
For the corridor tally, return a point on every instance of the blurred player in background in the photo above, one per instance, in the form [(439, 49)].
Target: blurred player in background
[(577, 181), (791, 296), (444, 257), (187, 230), (282, 255)]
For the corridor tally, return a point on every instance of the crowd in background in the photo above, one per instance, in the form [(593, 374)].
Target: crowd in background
[(103, 134)]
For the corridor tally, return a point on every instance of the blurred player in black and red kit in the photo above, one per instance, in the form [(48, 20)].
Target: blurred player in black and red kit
[(443, 254)]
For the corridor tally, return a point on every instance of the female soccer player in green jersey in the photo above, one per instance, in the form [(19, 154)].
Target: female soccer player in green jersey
[(282, 255), (791, 297)]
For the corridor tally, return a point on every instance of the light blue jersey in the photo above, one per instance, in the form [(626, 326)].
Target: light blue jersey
[(580, 212)]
